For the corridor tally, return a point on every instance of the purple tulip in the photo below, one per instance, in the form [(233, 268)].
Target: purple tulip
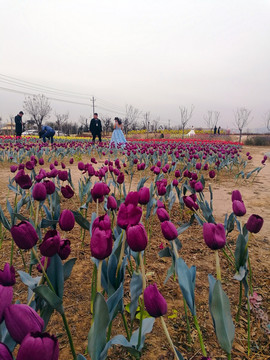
[(198, 187), (71, 161), (29, 165), (13, 168), (62, 175), (102, 222), (154, 302), (7, 276), (132, 198), (160, 204), (101, 243), (198, 166), (212, 174), (41, 162), (66, 220), (99, 190), (175, 182), (163, 215), (111, 203), (67, 192), (39, 192), (55, 163), (24, 235), (5, 353), (64, 249), (50, 186), (23, 180), (177, 173), (63, 166), (144, 195), (50, 244), (190, 203), (128, 215), (236, 195), (20, 320), (53, 173), (81, 166), (239, 208), (39, 346), (169, 231), (254, 223), (156, 170), (120, 178), (137, 237), (205, 167), (41, 175), (214, 235), (6, 295), (194, 176)]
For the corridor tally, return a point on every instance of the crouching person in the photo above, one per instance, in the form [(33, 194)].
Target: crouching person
[(47, 132)]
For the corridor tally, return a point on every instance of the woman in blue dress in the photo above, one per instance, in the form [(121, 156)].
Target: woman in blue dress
[(118, 138)]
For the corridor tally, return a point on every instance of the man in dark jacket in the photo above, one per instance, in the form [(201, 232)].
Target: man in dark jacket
[(96, 127), (18, 124), (47, 132)]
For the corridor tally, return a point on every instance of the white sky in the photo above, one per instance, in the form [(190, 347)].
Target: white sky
[(153, 54)]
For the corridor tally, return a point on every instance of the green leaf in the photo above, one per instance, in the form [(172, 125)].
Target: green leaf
[(56, 275), (68, 266), (240, 251), (97, 333), (221, 313), (52, 299), (84, 223)]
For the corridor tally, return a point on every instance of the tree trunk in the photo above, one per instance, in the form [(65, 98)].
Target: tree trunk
[(183, 133), (240, 136)]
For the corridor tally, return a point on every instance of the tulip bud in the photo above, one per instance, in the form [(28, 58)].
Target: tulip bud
[(50, 244), (71, 161), (62, 175), (163, 215), (67, 192), (205, 167), (99, 190), (64, 249), (101, 243), (236, 195), (212, 174), (41, 161), (111, 203), (24, 235), (120, 178), (198, 187), (39, 346), (144, 195), (66, 220), (23, 180), (6, 295), (29, 165), (190, 203), (128, 215), (177, 173), (175, 182), (214, 235), (156, 170), (81, 166), (5, 353), (198, 166), (63, 166), (55, 163), (50, 186), (137, 237), (239, 208), (20, 320), (169, 231), (160, 204), (13, 168), (254, 223), (39, 192), (132, 198), (7, 276), (102, 222), (154, 302)]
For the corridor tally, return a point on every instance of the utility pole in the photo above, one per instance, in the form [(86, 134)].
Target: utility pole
[(93, 104)]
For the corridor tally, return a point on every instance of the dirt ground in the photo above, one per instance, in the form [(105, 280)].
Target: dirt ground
[(256, 195)]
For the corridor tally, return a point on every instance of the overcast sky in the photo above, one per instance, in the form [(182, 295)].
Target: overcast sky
[(153, 54)]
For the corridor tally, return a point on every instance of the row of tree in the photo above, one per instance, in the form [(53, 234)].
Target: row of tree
[(39, 109)]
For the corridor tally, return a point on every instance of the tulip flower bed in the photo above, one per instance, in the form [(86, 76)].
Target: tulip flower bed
[(118, 253)]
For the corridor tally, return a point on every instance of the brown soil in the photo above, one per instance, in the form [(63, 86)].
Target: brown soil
[(256, 195)]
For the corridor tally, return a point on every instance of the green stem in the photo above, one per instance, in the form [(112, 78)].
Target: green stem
[(125, 325), (240, 302), (229, 258), (99, 288), (141, 320), (168, 336), (248, 306), (12, 251), (23, 260), (143, 271), (43, 270), (97, 208), (122, 251), (218, 266), (229, 356), (187, 320), (200, 335), (69, 336), (250, 277), (37, 213)]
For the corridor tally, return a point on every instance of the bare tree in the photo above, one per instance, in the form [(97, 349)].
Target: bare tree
[(241, 119), (108, 125), (60, 120), (185, 116), (211, 119), (132, 115), (267, 121), (84, 121), (38, 107), (146, 120), (155, 123)]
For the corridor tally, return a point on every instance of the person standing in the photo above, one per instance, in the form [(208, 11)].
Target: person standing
[(215, 130), (96, 127), (47, 132), (219, 130), (118, 137), (18, 124)]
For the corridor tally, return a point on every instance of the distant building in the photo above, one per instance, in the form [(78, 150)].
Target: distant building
[(8, 129)]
